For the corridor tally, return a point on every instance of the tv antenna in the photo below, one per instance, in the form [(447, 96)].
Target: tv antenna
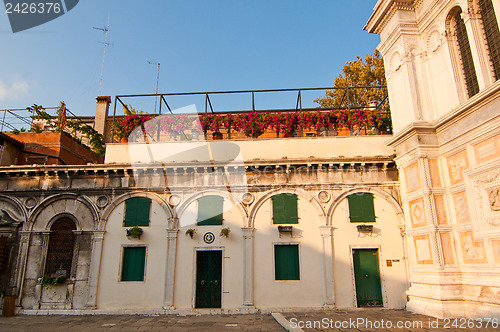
[(106, 44), (157, 78)]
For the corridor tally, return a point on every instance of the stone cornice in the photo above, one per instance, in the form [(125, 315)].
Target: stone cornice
[(469, 106), (383, 12), (121, 169)]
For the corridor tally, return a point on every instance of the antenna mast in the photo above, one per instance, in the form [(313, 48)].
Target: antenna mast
[(106, 44), (157, 78)]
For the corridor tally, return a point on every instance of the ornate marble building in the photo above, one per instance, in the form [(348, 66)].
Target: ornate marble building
[(442, 69)]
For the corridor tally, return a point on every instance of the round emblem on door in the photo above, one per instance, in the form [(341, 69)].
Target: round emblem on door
[(209, 237)]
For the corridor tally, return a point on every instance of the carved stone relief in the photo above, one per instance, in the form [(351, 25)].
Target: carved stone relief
[(483, 189)]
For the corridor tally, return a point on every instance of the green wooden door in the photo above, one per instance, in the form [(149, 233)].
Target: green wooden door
[(208, 278), (367, 277)]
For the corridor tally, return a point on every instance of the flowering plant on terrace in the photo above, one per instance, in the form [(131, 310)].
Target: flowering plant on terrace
[(212, 122), (124, 127)]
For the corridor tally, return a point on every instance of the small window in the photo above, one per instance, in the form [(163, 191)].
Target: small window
[(285, 209), (286, 262), (134, 259), (137, 211), (210, 210), (361, 207)]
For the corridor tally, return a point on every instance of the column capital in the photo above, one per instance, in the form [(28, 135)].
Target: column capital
[(98, 235), (172, 233), (326, 231), (247, 232)]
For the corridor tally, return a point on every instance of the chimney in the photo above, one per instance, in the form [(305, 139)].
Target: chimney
[(101, 115)]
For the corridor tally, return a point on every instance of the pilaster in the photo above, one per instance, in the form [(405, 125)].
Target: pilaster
[(327, 242), (248, 234), (95, 263), (168, 299)]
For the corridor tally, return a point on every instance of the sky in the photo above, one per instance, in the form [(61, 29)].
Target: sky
[(201, 45)]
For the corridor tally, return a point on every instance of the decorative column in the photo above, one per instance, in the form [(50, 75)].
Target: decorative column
[(168, 298), (430, 207), (21, 264), (327, 241), (43, 257), (95, 263), (74, 266), (248, 266)]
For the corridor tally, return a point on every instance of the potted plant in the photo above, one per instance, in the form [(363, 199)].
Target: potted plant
[(225, 232), (190, 232), (134, 232), (59, 277)]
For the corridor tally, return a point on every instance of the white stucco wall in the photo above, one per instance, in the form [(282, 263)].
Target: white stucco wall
[(113, 294), (245, 150), (386, 238), (309, 290), (232, 253)]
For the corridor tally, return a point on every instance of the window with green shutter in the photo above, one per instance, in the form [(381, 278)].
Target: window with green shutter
[(286, 262), (134, 259), (361, 207), (210, 210), (137, 211), (285, 209)]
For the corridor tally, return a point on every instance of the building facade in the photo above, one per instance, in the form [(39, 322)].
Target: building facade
[(292, 238), (442, 65), (287, 223)]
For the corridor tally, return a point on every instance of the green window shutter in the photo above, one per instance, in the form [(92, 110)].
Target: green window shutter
[(137, 211), (361, 207), (285, 209), (210, 210), (134, 259), (286, 262)]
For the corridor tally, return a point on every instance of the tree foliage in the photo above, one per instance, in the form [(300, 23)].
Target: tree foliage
[(367, 72)]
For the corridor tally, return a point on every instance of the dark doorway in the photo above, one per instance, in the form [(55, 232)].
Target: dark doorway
[(208, 278)]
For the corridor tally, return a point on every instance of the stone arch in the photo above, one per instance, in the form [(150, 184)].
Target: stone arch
[(378, 192), (61, 216), (14, 206), (236, 202), (449, 17), (299, 192), (120, 199), (79, 206)]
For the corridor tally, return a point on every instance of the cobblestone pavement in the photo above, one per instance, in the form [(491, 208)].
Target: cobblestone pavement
[(127, 323), (332, 320), (377, 319)]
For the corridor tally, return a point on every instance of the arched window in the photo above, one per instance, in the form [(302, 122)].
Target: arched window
[(491, 33), (464, 52), (60, 248)]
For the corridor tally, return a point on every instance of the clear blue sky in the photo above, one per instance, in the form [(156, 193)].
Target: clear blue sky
[(201, 45)]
